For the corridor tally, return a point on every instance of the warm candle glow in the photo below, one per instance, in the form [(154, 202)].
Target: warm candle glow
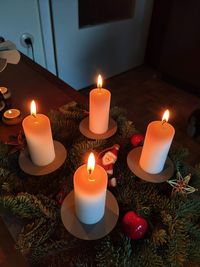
[(3, 90), (91, 163), (11, 114), (99, 81), (90, 185), (165, 116), (99, 108), (33, 108)]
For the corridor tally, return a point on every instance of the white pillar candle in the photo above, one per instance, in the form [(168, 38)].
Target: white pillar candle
[(99, 108), (38, 134), (157, 143), (90, 184)]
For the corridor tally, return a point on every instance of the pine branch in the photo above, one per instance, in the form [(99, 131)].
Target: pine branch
[(29, 206), (189, 209), (159, 237), (110, 255), (150, 256), (35, 234), (178, 156), (4, 151), (115, 112), (193, 230), (177, 254), (193, 252), (52, 251), (9, 182), (78, 150)]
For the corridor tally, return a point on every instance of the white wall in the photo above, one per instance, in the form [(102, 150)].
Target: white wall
[(17, 17), (109, 48)]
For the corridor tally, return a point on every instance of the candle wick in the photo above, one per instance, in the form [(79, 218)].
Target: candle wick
[(34, 115), (90, 178), (164, 121)]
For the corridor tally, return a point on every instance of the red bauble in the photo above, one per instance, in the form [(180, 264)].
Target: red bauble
[(137, 139), (133, 225)]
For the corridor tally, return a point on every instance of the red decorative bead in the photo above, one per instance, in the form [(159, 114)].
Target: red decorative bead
[(137, 139), (133, 225)]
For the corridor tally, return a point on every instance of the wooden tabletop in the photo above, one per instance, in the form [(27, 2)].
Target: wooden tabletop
[(28, 80)]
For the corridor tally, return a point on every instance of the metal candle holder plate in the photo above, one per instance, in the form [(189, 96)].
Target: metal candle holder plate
[(92, 231), (133, 164), (27, 165), (84, 129)]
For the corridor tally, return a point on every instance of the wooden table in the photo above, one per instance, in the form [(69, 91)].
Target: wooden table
[(28, 81)]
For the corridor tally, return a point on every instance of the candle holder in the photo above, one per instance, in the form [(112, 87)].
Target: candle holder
[(133, 164), (89, 231), (5, 92), (84, 129), (29, 167), (12, 116)]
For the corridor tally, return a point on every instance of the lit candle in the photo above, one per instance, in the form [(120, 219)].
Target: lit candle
[(90, 184), (38, 134), (11, 114), (99, 108), (157, 143)]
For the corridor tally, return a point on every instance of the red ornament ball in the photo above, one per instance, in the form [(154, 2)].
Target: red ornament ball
[(133, 225), (137, 139)]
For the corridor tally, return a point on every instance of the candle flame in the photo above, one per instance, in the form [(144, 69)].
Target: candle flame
[(33, 108), (99, 81), (165, 116), (10, 111), (91, 163)]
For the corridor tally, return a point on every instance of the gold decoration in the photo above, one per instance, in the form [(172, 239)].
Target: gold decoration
[(180, 184)]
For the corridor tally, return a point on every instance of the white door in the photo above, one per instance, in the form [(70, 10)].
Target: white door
[(109, 48), (32, 17)]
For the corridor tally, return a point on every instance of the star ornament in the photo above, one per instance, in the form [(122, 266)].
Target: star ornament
[(180, 184), (18, 142)]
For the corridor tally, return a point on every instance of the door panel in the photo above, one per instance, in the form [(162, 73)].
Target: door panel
[(109, 48)]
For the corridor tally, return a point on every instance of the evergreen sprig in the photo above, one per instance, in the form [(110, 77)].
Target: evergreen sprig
[(173, 236)]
